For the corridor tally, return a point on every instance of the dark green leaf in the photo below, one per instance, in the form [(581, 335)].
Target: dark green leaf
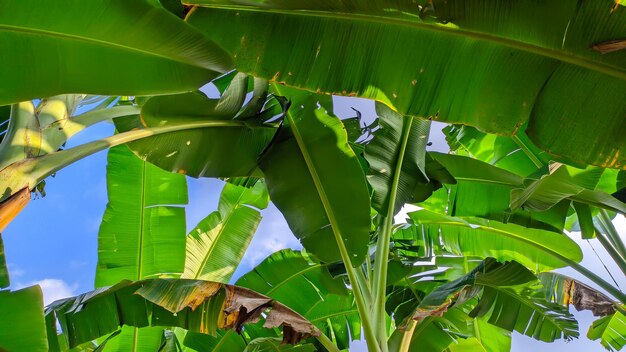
[(396, 156), (314, 178), (101, 51), (22, 326)]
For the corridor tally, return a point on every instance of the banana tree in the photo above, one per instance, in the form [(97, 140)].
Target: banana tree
[(339, 196)]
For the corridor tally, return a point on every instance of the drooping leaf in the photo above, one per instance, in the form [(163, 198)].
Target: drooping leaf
[(396, 156), (439, 300), (536, 249), (101, 51), (22, 326), (565, 182), (228, 151), (309, 289), (217, 244), (483, 190), (611, 330), (143, 229), (515, 154), (420, 58), (567, 291), (132, 339), (199, 306), (314, 178), (526, 311)]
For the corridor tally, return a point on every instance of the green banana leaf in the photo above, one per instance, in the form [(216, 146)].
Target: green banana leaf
[(434, 334), (272, 344), (221, 341), (315, 180), (217, 244), (228, 151), (94, 48), (516, 154), (611, 330), (144, 219), (546, 200), (491, 64), (199, 306), (396, 156), (565, 182), (539, 250), (309, 289), (22, 326), (522, 307), (43, 129)]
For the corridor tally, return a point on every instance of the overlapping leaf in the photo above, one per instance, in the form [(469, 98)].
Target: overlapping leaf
[(420, 58), (199, 306), (217, 244), (611, 330), (99, 50), (314, 178), (229, 149), (537, 249), (309, 289), (398, 147)]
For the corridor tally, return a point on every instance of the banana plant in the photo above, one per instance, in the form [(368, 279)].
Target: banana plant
[(495, 227)]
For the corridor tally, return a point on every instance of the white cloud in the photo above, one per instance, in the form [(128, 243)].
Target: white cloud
[(53, 289)]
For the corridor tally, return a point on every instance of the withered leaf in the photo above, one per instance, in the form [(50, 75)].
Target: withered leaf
[(583, 297)]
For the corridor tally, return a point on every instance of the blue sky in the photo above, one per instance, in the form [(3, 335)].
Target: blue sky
[(53, 242)]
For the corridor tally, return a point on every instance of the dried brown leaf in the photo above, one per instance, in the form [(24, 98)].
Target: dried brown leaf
[(583, 297)]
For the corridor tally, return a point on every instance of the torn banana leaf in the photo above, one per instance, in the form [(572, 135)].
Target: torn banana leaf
[(198, 306)]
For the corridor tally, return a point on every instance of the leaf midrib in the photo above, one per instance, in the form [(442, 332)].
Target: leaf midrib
[(561, 56), (224, 224), (522, 239), (79, 38), (321, 191)]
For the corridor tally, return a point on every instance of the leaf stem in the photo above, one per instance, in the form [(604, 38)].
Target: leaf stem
[(384, 238), (611, 232), (527, 151), (326, 342)]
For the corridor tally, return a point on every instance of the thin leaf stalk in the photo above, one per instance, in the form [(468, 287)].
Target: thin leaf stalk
[(407, 336), (51, 163), (610, 249), (527, 151), (384, 238), (327, 343), (611, 232)]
